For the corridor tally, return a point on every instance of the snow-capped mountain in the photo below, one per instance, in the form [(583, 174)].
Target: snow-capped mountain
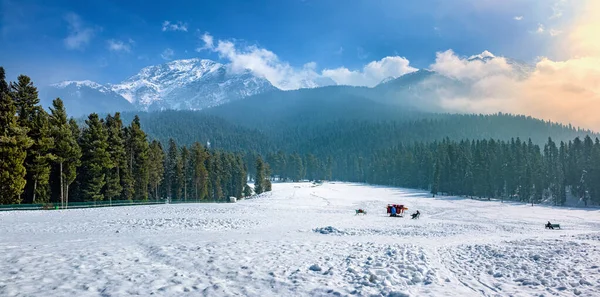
[(85, 97), (195, 84), (190, 84), (520, 69)]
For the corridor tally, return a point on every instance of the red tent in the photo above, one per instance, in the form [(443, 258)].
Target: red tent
[(399, 208)]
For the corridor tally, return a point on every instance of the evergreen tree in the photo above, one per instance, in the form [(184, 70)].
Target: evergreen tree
[(118, 157), (329, 168), (156, 167), (216, 176), (174, 172), (297, 168), (267, 182), (4, 89), (247, 190), (14, 143), (259, 180), (26, 100), (73, 162), (95, 159), (39, 159), (240, 175), (138, 149), (311, 167), (35, 119), (66, 149), (125, 169), (199, 156), (185, 171)]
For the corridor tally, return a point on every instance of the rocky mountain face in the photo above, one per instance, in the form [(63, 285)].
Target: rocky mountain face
[(191, 84)]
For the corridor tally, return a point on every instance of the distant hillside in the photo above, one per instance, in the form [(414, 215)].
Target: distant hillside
[(324, 133), (187, 127)]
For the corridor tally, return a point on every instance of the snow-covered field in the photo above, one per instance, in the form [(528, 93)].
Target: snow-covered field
[(302, 240)]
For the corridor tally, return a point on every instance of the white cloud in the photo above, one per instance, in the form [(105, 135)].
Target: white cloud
[(518, 18), (557, 9), (371, 74), (281, 74), (451, 65), (167, 54), (208, 41), (178, 26), (554, 32), (79, 35), (566, 91), (540, 29), (119, 46), (264, 63)]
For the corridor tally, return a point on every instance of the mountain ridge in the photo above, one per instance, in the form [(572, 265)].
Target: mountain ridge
[(196, 84)]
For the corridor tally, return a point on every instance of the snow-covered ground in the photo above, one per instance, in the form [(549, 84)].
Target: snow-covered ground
[(303, 240)]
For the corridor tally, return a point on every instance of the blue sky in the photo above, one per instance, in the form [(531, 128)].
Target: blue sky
[(110, 40)]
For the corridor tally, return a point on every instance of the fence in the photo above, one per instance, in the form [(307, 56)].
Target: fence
[(95, 204)]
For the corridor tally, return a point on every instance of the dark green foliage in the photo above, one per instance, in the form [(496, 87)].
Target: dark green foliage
[(39, 158), (32, 117), (137, 148), (216, 176), (26, 100), (118, 157), (199, 157), (247, 190), (259, 180), (156, 168), (174, 172), (66, 149), (95, 159), (14, 143), (186, 172)]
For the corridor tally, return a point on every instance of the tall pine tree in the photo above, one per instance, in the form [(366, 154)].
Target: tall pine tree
[(156, 167), (259, 180), (35, 119), (95, 159), (66, 149), (199, 156), (138, 149), (14, 143), (118, 156)]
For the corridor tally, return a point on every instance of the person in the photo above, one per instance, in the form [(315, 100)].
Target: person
[(415, 215), (549, 226), (393, 211)]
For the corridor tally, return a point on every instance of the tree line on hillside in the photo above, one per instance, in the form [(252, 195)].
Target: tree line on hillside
[(330, 137), (515, 169), (46, 157)]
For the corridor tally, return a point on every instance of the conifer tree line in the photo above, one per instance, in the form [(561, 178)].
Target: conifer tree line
[(515, 170), (296, 167), (46, 157)]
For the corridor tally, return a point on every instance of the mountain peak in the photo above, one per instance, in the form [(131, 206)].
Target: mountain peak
[(188, 84), (77, 83), (484, 56)]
